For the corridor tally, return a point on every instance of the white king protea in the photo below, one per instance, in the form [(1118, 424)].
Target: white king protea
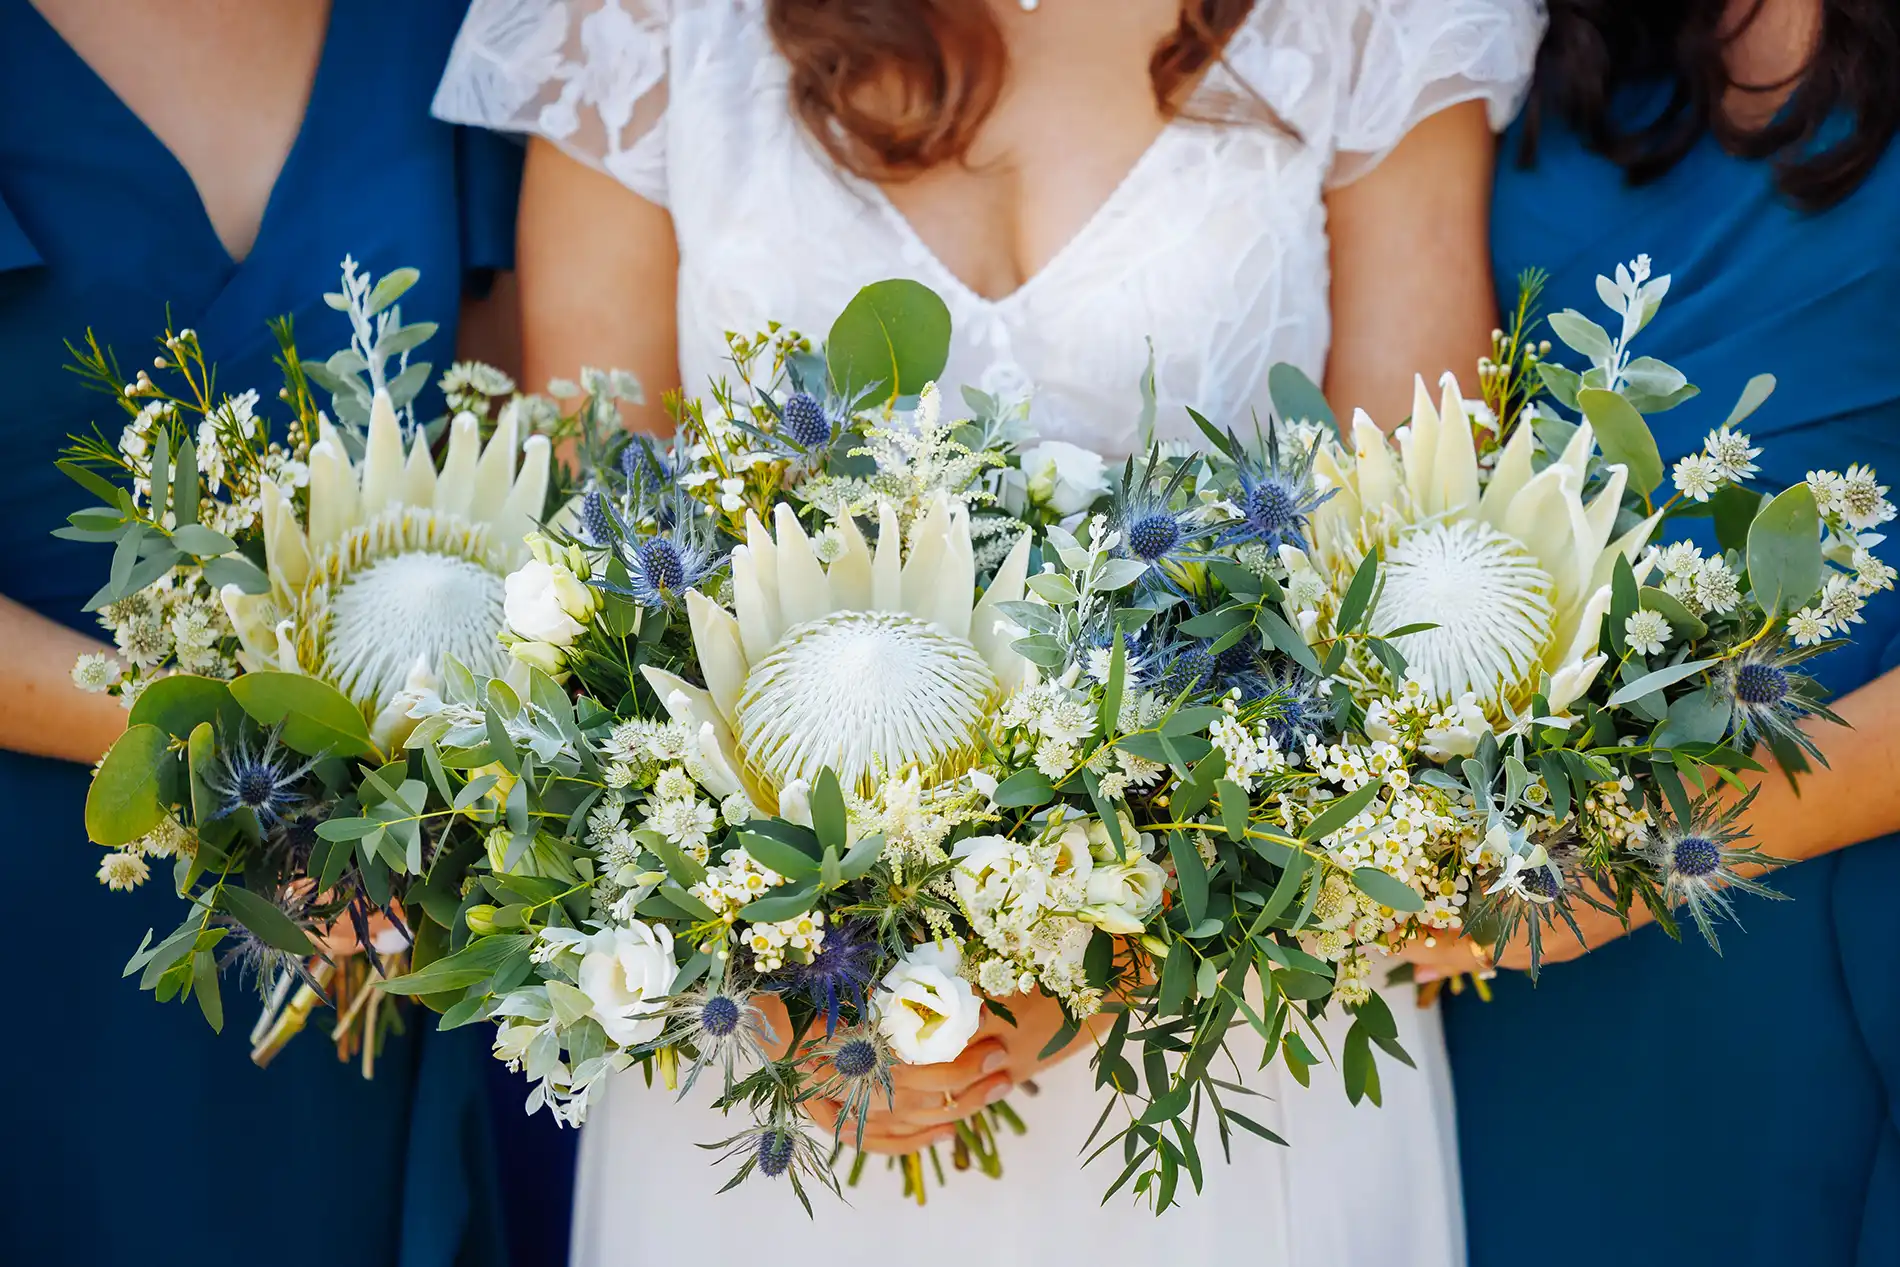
[(870, 667), (401, 565), (1514, 572)]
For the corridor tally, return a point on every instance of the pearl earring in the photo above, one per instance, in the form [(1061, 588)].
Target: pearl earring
[(1030, 6)]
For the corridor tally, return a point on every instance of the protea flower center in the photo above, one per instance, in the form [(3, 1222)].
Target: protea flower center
[(407, 587), (863, 692), (1485, 592)]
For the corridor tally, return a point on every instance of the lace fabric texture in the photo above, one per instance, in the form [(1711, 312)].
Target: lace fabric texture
[(1213, 247)]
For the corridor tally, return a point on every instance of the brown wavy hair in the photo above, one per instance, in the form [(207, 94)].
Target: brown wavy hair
[(1596, 48), (891, 88)]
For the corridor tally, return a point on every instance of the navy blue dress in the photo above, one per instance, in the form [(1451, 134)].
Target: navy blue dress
[(1650, 1102), (133, 1134)]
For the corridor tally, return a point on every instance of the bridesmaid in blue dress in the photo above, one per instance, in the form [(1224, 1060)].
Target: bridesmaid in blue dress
[(1654, 1103), (133, 1134)]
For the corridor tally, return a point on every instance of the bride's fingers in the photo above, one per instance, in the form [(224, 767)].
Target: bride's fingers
[(977, 1062), (883, 1132), (919, 1109)]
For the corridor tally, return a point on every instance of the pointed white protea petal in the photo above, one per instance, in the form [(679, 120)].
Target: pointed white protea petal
[(1547, 517), (455, 488), (721, 775), (1578, 632), (333, 495), (285, 550), (757, 612), (1418, 446), (1455, 465), (803, 592), (1601, 512), (522, 511), (722, 657), (1576, 454), (495, 473), (929, 543), (1378, 474), (393, 724), (1344, 506), (683, 701), (887, 588), (418, 476), (794, 802), (287, 648), (1630, 546), (382, 458), (1508, 477), (850, 576), (956, 578), (758, 542), (254, 618), (1568, 684), (990, 632)]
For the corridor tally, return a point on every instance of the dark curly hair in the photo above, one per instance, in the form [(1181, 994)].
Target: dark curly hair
[(1598, 47)]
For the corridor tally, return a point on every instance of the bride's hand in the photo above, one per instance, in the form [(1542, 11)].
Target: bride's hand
[(927, 1101)]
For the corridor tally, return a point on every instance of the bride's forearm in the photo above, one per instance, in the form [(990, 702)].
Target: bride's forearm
[(1855, 797), (41, 711)]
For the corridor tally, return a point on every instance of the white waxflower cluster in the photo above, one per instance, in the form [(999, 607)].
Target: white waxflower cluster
[(1727, 457), (1411, 718), (771, 944), (915, 818), (735, 880), (1607, 814), (1251, 752), (1703, 585), (917, 459)]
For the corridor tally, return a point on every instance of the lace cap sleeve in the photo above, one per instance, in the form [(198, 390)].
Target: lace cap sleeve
[(1405, 60), (588, 75)]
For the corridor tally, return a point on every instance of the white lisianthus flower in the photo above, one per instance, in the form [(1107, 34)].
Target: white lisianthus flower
[(626, 973), (1101, 845), (546, 602), (1122, 895), (925, 1009), (1064, 477)]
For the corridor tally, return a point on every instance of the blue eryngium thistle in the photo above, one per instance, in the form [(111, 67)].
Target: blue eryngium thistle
[(840, 972), (720, 1026), (661, 565), (1276, 492), (1145, 509), (804, 422), (1697, 860), (1290, 701), (255, 772), (595, 524), (779, 1148), (856, 1064), (1770, 700)]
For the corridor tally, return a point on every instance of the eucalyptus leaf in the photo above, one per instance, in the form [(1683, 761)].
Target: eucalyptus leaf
[(315, 716), (264, 918), (1296, 398), (1624, 437), (123, 802), (1754, 395), (894, 335), (1580, 334), (1387, 890), (1657, 680), (1784, 551)]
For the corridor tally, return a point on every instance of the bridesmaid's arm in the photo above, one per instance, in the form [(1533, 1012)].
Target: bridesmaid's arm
[(41, 711), (1412, 267), (597, 267), (1860, 788)]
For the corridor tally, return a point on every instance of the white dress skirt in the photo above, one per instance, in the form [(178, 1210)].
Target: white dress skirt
[(1212, 256)]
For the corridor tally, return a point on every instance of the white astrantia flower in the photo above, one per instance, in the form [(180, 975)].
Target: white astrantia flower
[(1647, 631), (400, 565), (870, 667), (1514, 573)]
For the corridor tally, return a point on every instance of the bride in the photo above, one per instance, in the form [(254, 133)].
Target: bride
[(1242, 182)]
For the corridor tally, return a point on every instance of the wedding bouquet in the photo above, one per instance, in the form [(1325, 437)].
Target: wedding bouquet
[(851, 712), (276, 603), (841, 699)]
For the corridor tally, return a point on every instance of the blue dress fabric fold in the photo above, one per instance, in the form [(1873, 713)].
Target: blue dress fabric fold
[(1656, 1103), (134, 1134)]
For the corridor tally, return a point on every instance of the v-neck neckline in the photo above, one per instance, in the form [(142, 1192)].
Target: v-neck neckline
[(286, 172), (1075, 243)]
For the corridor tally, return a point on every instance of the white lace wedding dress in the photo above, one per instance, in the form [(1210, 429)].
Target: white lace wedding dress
[(1215, 247)]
